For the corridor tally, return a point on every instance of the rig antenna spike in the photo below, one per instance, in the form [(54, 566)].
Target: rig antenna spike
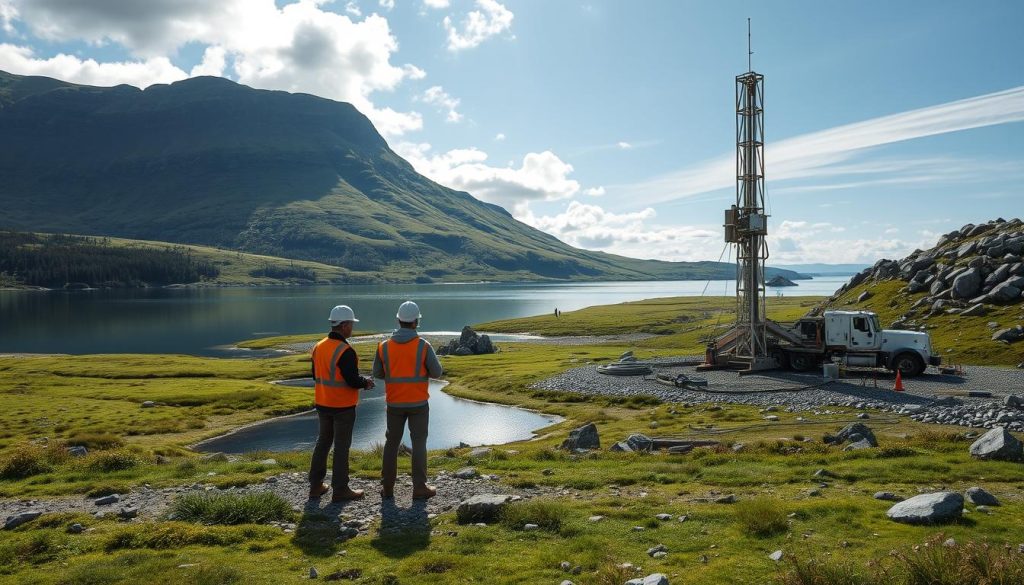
[(749, 51)]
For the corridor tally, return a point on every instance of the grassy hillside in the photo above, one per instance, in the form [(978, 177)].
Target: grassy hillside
[(208, 161), (781, 505)]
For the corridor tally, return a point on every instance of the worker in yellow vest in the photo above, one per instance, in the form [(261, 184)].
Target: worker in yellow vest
[(337, 382), (406, 362)]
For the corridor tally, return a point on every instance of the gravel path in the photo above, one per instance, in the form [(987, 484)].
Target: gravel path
[(931, 398), (401, 513)]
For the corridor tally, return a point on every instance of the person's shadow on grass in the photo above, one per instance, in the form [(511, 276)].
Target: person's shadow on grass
[(403, 531)]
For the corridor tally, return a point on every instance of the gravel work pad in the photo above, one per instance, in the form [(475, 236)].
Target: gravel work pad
[(923, 395)]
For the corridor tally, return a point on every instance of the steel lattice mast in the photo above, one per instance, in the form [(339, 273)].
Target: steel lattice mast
[(746, 225)]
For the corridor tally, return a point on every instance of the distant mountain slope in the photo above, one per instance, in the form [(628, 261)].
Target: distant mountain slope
[(967, 292), (209, 161)]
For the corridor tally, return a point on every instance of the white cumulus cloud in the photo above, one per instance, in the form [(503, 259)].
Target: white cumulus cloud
[(298, 47), (541, 176), (388, 5), (437, 4), (491, 19), (437, 96), (594, 191)]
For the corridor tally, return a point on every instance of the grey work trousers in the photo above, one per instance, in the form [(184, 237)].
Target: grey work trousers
[(418, 418), (335, 429)]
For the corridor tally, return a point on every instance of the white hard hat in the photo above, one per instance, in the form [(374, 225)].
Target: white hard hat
[(342, 313), (408, 312)]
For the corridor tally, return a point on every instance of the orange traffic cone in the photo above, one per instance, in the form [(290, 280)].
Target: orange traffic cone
[(898, 387)]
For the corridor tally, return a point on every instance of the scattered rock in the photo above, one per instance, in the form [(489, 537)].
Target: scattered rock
[(148, 404), (932, 508), (656, 549), (639, 442), (214, 457), (107, 500), (1009, 335), (664, 517), (467, 473), (268, 462), (19, 519), (776, 556), (729, 499), (997, 444), (78, 451), (76, 528), (128, 513), (480, 452), (595, 518), (585, 437), (855, 432), (530, 527), (481, 508), (313, 574), (861, 444), (980, 497), (888, 496)]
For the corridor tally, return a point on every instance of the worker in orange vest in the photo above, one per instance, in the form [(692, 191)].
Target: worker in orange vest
[(406, 362), (337, 383)]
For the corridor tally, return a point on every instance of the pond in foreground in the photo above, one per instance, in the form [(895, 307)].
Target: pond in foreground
[(452, 421)]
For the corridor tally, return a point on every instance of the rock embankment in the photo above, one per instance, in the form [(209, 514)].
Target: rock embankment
[(468, 343), (969, 271)]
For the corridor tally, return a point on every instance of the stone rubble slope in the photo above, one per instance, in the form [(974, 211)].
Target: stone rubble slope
[(967, 272)]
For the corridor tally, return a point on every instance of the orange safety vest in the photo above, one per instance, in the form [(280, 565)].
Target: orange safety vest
[(331, 388), (406, 382)]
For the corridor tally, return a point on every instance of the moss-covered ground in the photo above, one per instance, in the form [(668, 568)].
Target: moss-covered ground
[(95, 400)]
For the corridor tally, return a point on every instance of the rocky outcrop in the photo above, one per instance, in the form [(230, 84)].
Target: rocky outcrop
[(970, 272), (468, 343)]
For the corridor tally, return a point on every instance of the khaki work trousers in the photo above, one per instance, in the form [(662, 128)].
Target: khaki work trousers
[(417, 418)]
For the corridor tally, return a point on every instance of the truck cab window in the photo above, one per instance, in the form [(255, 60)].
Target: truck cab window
[(861, 324)]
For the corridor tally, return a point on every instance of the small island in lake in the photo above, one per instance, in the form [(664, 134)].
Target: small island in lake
[(780, 280)]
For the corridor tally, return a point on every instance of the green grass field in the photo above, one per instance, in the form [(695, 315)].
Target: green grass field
[(96, 401)]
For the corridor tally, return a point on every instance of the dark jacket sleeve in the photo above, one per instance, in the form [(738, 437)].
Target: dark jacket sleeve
[(349, 370)]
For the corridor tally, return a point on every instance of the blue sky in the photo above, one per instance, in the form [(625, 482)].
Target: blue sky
[(610, 124)]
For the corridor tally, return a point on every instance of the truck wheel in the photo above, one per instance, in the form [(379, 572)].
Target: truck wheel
[(801, 362), (908, 364)]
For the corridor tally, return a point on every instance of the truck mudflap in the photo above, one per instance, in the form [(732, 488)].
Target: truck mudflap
[(935, 360)]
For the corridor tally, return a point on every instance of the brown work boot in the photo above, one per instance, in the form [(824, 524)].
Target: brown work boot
[(424, 492), (346, 495), (318, 490)]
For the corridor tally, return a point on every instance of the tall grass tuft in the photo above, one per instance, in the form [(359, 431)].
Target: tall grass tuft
[(931, 563), (254, 508), (546, 514), (761, 517), (116, 460), (25, 461)]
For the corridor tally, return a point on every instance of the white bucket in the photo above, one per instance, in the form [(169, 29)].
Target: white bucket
[(830, 371)]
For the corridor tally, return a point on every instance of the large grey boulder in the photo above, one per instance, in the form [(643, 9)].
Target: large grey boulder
[(1009, 335), (998, 444), (652, 579), (967, 285), (980, 497), (998, 275), (967, 249), (481, 508), (1004, 293), (585, 437), (928, 508), (19, 519), (484, 345), (977, 310), (855, 432)]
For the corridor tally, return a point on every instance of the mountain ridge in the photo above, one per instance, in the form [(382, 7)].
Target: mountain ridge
[(208, 161)]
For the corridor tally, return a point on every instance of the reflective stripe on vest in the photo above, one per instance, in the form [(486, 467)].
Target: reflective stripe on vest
[(406, 381), (330, 387)]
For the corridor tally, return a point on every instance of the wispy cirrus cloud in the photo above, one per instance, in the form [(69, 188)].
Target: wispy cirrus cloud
[(826, 154)]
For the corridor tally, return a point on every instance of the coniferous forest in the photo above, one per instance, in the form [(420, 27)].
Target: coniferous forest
[(58, 261)]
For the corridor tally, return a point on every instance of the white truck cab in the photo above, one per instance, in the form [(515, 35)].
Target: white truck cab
[(856, 338)]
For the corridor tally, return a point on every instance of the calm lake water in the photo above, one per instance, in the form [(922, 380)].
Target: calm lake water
[(452, 420), (201, 321)]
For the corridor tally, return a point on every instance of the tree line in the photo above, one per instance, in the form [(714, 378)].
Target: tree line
[(56, 261)]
